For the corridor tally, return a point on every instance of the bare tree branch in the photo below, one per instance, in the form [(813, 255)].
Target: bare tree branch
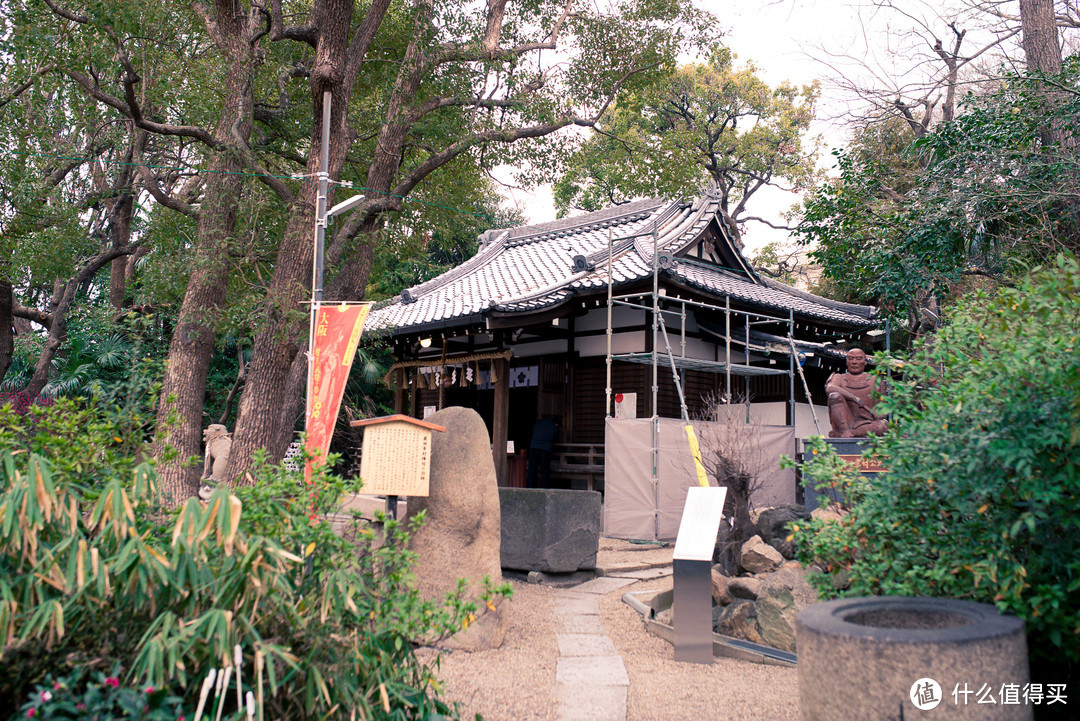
[(47, 68)]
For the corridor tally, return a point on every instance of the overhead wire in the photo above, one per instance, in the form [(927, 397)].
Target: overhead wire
[(305, 177)]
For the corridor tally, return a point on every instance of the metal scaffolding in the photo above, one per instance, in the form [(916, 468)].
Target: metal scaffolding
[(652, 302)]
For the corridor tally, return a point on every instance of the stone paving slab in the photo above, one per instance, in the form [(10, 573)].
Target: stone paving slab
[(573, 594), (582, 624), (585, 644), (647, 574), (604, 585), (603, 703), (588, 606), (591, 671), (612, 569)]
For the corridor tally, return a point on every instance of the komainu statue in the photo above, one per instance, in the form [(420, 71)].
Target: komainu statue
[(218, 444), (852, 397)]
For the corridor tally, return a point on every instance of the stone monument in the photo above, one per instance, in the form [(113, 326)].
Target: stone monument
[(461, 538)]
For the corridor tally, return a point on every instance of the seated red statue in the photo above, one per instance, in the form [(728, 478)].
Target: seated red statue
[(852, 397)]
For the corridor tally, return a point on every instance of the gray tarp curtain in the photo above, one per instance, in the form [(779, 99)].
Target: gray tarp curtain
[(630, 501)]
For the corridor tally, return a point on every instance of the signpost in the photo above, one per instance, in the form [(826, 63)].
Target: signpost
[(396, 457), (692, 568)]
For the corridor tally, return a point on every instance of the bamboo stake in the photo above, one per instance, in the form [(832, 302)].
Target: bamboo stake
[(206, 684), (223, 693), (259, 680), (238, 660)]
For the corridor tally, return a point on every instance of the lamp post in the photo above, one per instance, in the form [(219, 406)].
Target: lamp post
[(322, 217)]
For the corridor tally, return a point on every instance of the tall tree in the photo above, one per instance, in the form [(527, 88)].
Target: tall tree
[(467, 81), (417, 87), (1042, 46), (69, 190), (989, 198), (707, 122), (234, 35)]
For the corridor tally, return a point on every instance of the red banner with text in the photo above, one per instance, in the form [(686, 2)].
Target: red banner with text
[(337, 333)]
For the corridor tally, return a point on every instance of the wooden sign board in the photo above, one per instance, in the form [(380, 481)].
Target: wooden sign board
[(873, 464), (396, 456)]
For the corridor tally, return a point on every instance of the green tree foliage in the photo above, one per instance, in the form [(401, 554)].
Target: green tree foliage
[(704, 122), (414, 252), (983, 194), (982, 497), (90, 569)]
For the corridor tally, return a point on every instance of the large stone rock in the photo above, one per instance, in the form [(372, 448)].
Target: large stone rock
[(776, 618), (832, 512), (738, 620), (720, 594), (783, 594), (757, 557), (462, 535), (549, 530), (774, 526), (747, 587), (776, 522)]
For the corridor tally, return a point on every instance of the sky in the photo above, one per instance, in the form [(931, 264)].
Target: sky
[(784, 39), (772, 35)]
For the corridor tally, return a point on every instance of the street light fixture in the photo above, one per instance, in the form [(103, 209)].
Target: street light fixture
[(345, 205), (322, 217)]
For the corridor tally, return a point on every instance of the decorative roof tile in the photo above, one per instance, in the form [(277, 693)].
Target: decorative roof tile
[(533, 267)]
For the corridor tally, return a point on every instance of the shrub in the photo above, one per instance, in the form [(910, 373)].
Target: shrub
[(91, 569), (101, 697), (982, 497)]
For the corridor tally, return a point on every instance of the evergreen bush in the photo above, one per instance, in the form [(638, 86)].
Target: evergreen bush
[(981, 500)]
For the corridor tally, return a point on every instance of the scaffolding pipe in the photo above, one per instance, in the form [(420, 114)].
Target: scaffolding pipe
[(727, 348), (791, 367), (607, 400), (805, 385), (691, 437), (683, 338), (746, 362), (655, 383)]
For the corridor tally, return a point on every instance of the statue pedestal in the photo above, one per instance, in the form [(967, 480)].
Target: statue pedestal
[(851, 450)]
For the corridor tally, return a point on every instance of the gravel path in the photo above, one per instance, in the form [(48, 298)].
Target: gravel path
[(516, 682)]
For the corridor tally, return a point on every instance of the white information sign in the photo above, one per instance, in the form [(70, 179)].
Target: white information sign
[(700, 523)]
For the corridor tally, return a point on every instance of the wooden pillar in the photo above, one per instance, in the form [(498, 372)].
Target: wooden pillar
[(500, 424), (401, 391)]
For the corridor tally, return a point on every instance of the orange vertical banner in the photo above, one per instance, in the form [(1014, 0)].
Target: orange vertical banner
[(337, 333)]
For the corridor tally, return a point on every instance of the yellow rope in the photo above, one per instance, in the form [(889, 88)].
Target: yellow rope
[(695, 451)]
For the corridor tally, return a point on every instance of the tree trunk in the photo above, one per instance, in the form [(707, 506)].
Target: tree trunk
[(57, 336), (180, 411), (1042, 50), (1040, 36), (179, 417), (7, 336), (119, 211), (259, 419), (292, 407), (63, 298)]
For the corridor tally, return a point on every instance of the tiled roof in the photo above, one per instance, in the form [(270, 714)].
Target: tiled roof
[(539, 266)]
